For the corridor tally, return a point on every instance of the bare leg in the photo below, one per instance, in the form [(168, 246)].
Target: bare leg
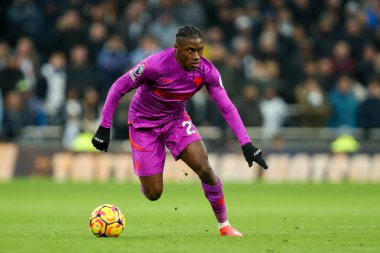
[(152, 186), (195, 156)]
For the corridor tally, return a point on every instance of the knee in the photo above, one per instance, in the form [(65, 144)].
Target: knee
[(153, 194), (205, 171)]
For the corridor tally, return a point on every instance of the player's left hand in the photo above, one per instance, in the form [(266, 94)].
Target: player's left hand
[(253, 154)]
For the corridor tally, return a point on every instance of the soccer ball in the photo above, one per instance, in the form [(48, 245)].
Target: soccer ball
[(107, 220)]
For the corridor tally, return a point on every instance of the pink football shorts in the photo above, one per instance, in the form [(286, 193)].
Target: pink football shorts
[(148, 144)]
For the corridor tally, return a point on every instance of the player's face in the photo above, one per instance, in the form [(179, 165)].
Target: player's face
[(189, 52)]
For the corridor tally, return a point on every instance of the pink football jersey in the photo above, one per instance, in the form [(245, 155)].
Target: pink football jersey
[(163, 87)]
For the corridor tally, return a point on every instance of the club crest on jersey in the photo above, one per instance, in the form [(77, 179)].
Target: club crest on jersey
[(198, 80), (136, 72)]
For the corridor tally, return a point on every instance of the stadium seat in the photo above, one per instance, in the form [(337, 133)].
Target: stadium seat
[(374, 173), (103, 166), (61, 165), (83, 167), (234, 168), (359, 168), (279, 163), (8, 158), (122, 165), (337, 168), (299, 168), (318, 168)]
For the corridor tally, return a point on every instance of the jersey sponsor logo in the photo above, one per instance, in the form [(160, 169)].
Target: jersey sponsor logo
[(166, 80), (136, 72), (168, 95), (198, 80)]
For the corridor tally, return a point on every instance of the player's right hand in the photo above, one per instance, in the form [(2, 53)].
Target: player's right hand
[(101, 139)]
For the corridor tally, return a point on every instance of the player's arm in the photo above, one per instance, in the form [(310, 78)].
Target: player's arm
[(129, 81), (232, 117)]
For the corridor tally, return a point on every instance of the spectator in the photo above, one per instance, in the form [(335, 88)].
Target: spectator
[(376, 64), (244, 27), (17, 115), (285, 22), (354, 34), (70, 31), (366, 64), (274, 111), (325, 74), (112, 62), (29, 62), (134, 23), (341, 60), (164, 28), (90, 111), (147, 45), (313, 104), (97, 36), (190, 12), (333, 9), (214, 35), (228, 68), (376, 38), (11, 76), (243, 51), (325, 37), (370, 108), (25, 18), (371, 11), (249, 108), (303, 11), (103, 12), (72, 114), (4, 52), (80, 73), (344, 104), (268, 43), (55, 74)]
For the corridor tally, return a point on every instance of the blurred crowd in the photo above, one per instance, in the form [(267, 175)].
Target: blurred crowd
[(304, 63)]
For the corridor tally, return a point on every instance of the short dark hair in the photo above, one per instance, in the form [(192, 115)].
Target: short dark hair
[(188, 32)]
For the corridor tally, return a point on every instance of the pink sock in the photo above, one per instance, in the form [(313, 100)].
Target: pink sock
[(214, 194)]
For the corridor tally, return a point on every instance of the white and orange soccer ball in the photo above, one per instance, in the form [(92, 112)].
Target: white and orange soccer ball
[(107, 221)]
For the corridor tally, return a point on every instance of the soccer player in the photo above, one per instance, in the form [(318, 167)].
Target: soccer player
[(157, 118)]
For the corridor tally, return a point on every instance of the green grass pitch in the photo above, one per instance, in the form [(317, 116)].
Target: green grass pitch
[(43, 216)]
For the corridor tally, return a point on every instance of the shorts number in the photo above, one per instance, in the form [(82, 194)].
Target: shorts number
[(188, 129)]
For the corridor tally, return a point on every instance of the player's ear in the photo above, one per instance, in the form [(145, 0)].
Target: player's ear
[(176, 48)]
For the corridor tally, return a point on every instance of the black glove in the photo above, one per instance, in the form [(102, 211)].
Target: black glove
[(251, 153), (101, 139)]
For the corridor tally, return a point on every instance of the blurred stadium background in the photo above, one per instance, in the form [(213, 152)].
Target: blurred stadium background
[(304, 75)]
